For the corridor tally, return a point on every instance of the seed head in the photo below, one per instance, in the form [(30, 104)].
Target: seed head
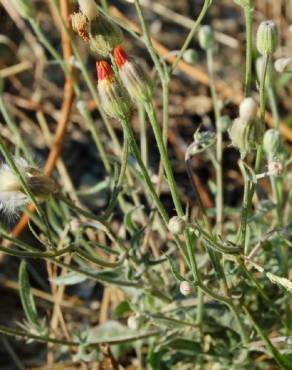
[(206, 37), (248, 109), (185, 288), (104, 36), (133, 76), (176, 225), (89, 9), (80, 25), (114, 98), (267, 38), (12, 195)]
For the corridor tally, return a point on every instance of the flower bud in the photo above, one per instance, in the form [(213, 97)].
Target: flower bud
[(134, 78), (80, 25), (239, 135), (206, 37), (248, 109), (282, 63), (275, 168), (190, 56), (260, 70), (267, 38), (115, 100), (134, 322), (271, 142), (88, 8), (104, 36), (12, 195), (185, 288), (224, 123), (25, 8), (176, 225)]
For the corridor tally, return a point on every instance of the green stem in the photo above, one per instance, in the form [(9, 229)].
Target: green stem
[(191, 34), (248, 15)]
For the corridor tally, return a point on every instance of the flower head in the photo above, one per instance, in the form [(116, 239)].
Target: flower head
[(114, 98), (12, 195), (104, 36), (80, 25), (133, 76)]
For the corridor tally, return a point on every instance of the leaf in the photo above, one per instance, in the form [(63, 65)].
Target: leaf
[(26, 296), (128, 219), (174, 271), (121, 309), (69, 279)]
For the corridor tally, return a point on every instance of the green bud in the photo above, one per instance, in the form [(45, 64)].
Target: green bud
[(239, 135), (267, 38), (104, 36), (190, 56), (206, 37), (260, 70), (25, 8), (272, 142)]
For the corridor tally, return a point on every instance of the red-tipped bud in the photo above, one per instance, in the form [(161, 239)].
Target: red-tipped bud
[(133, 76), (104, 70), (115, 100)]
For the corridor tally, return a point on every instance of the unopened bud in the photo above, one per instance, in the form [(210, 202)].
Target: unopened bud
[(248, 109), (275, 168), (25, 8), (176, 225), (267, 38), (224, 123), (185, 288), (190, 56), (88, 8), (271, 142), (80, 25), (239, 135), (260, 63), (115, 100), (282, 63), (206, 37), (133, 76), (104, 36), (134, 322)]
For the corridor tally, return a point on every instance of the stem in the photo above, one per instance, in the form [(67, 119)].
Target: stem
[(248, 15), (191, 34), (219, 174)]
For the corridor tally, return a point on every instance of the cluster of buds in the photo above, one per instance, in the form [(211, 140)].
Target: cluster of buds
[(12, 195), (116, 97), (243, 130)]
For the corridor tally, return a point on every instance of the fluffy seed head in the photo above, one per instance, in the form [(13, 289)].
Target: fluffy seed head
[(267, 38), (88, 8), (176, 225), (104, 36), (275, 168), (206, 37), (248, 109), (185, 288), (80, 25), (133, 76), (12, 195), (114, 98)]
